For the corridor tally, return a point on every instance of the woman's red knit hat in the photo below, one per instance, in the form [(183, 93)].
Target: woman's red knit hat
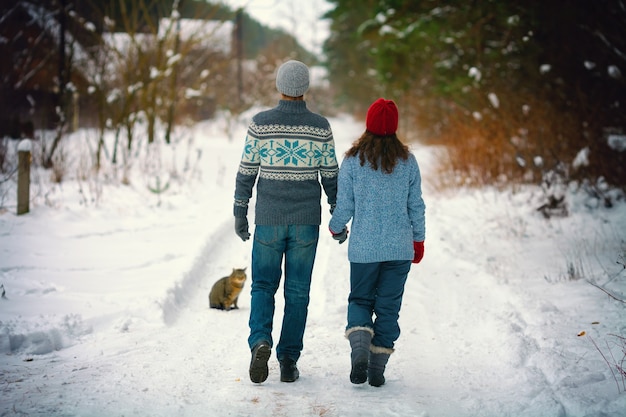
[(382, 117)]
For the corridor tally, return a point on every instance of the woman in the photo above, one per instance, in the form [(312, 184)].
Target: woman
[(379, 188)]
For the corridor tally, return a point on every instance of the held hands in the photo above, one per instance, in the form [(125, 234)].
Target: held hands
[(341, 236), (241, 228), (418, 249)]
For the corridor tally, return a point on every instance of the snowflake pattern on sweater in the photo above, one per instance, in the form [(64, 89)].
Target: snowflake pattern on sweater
[(290, 150), (272, 155)]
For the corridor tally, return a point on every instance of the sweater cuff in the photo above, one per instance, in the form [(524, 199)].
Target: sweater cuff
[(240, 208)]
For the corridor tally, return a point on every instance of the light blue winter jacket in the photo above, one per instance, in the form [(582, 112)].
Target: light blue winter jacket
[(387, 210)]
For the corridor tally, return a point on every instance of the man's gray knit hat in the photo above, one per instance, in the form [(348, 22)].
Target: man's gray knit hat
[(292, 78)]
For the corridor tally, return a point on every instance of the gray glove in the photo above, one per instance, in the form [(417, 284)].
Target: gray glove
[(341, 236), (241, 228)]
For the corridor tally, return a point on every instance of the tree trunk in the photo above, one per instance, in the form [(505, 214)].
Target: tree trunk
[(61, 107)]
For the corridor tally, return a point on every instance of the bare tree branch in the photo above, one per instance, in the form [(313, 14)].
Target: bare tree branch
[(607, 292)]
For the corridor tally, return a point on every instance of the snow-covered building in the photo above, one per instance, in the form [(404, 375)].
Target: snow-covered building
[(210, 34), (31, 47)]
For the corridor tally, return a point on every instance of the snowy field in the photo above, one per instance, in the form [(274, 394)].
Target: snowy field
[(105, 310)]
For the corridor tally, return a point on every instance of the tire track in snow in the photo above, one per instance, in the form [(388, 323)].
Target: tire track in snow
[(186, 290)]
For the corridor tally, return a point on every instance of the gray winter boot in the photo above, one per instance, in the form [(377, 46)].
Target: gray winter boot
[(360, 339), (376, 369)]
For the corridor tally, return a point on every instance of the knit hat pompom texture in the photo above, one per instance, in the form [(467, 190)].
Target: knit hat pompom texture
[(382, 117), (292, 78)]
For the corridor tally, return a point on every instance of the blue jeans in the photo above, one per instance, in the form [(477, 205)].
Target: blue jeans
[(298, 244), (377, 288)]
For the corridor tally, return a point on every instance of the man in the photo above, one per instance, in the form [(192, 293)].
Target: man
[(291, 149)]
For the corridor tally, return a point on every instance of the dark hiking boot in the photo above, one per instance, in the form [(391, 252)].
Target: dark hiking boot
[(288, 370), (258, 365)]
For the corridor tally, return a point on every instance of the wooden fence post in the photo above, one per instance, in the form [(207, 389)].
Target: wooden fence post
[(23, 176)]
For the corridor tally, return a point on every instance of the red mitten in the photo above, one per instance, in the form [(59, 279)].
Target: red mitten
[(418, 248)]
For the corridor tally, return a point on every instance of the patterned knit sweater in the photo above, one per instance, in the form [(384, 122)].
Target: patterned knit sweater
[(291, 150), (387, 210)]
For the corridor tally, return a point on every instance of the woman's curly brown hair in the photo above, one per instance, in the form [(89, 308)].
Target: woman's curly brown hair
[(383, 150)]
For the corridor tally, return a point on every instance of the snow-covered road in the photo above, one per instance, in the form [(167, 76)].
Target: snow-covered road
[(107, 313)]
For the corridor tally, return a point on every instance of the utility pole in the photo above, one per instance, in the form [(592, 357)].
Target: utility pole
[(239, 52)]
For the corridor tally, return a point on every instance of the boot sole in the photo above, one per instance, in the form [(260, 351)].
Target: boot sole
[(377, 383), (358, 374), (258, 365)]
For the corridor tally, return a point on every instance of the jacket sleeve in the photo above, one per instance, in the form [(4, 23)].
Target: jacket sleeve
[(246, 176), (329, 170), (345, 198), (416, 205)]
